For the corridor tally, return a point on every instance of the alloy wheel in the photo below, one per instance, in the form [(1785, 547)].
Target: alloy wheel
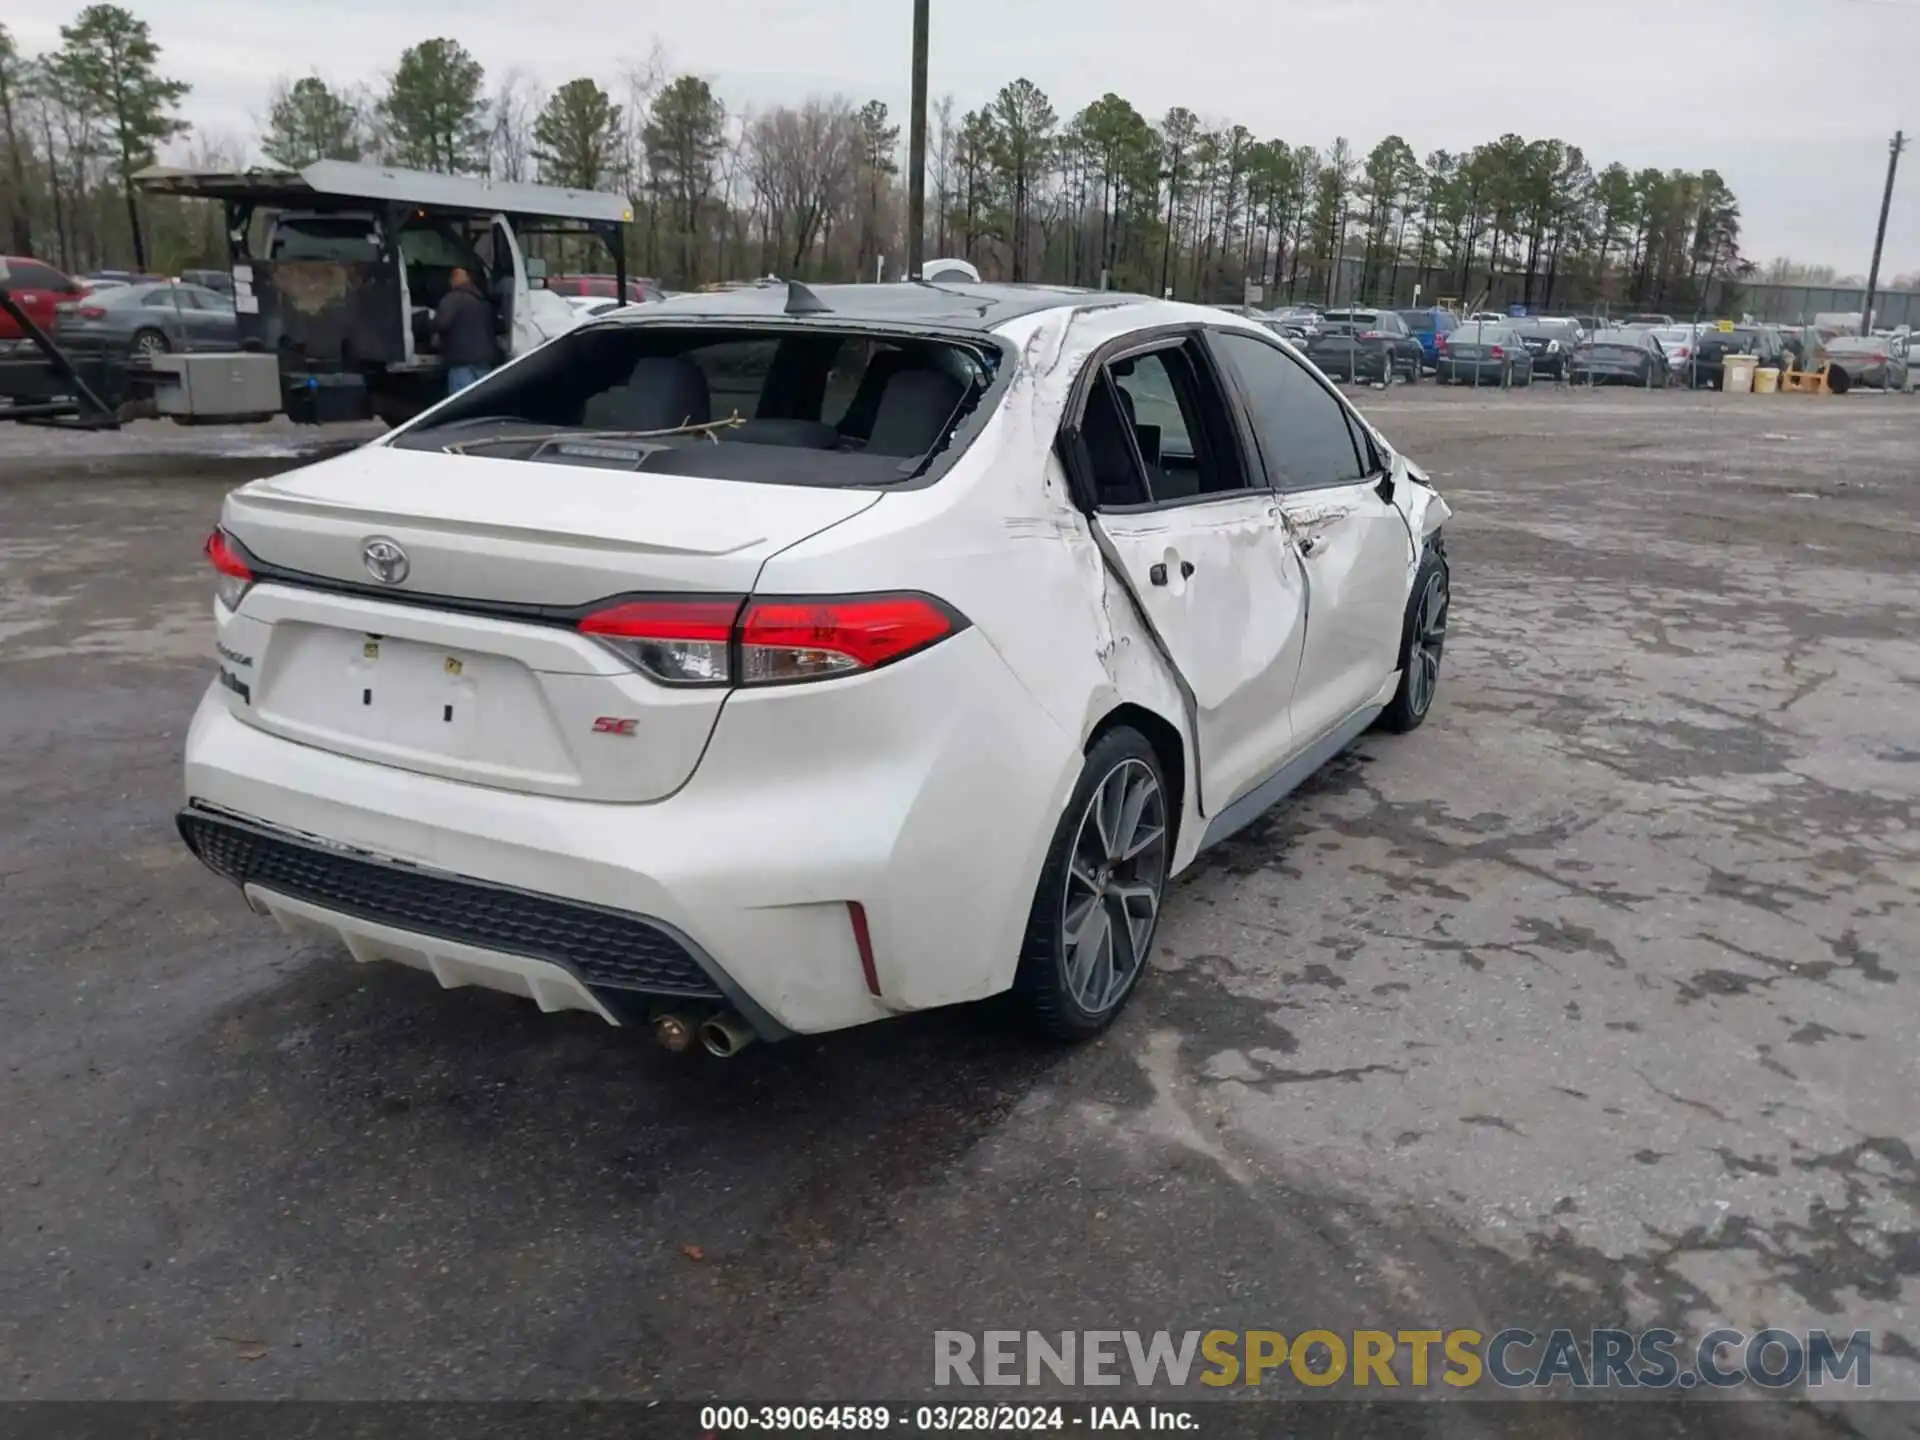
[(1115, 874), (1429, 639)]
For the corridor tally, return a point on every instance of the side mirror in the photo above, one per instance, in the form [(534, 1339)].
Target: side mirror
[(536, 273)]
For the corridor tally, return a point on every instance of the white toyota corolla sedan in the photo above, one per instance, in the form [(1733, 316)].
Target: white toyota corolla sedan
[(780, 660)]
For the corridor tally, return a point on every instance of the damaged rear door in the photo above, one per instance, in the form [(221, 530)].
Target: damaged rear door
[(1337, 501), (1204, 553)]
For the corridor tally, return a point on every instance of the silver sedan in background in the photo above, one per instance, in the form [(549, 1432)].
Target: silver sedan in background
[(134, 323)]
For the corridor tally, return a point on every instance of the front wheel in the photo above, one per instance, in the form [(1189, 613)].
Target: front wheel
[(1097, 907), (148, 344), (1423, 638)]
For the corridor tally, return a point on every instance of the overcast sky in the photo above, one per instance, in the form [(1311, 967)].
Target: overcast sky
[(1793, 101)]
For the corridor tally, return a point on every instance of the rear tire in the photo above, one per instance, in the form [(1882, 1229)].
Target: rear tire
[(147, 344), (1097, 908), (1422, 639)]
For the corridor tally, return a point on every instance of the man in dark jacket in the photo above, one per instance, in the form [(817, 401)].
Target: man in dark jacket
[(464, 322)]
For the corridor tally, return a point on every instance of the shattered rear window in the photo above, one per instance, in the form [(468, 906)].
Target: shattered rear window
[(790, 406)]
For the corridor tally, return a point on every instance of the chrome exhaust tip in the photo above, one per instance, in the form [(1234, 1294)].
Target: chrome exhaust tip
[(673, 1032), (726, 1034)]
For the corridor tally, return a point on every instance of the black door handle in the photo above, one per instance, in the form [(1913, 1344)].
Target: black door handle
[(1186, 569), (1157, 574)]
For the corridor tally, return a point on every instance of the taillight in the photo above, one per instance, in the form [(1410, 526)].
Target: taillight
[(1439, 342), (677, 642), (93, 312), (231, 575), (805, 639), (1498, 352), (1373, 335), (725, 641)]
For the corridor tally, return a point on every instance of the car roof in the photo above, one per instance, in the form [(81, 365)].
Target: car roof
[(946, 306)]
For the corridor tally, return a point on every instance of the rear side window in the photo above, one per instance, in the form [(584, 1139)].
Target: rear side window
[(1154, 431), (32, 275), (1305, 439), (774, 405)]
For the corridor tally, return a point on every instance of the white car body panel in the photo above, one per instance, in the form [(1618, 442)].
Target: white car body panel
[(1241, 676), (927, 791)]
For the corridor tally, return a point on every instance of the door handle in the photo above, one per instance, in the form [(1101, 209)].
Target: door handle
[(1186, 569), (1157, 574), (1309, 544)]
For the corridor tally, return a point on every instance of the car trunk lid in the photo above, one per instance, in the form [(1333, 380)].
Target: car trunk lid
[(423, 611)]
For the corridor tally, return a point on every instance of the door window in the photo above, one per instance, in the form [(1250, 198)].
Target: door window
[(1305, 439), (1155, 432)]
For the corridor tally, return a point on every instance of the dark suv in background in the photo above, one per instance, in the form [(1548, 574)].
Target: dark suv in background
[(1371, 345)]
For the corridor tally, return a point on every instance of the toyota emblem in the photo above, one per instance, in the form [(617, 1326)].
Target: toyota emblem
[(386, 561)]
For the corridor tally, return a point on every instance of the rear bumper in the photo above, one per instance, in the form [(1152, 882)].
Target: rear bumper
[(1352, 364), (1471, 371), (562, 954), (926, 793)]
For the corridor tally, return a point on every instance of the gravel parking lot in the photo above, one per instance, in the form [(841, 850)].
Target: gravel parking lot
[(1592, 1002)]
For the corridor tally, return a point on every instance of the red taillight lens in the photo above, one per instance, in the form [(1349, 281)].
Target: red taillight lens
[(725, 641), (784, 640), (677, 642), (93, 312), (1439, 342), (1372, 335), (1498, 352), (232, 577)]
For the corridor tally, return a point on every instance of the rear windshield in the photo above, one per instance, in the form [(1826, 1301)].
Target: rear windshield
[(325, 237), (787, 407), (1421, 322), (1365, 319)]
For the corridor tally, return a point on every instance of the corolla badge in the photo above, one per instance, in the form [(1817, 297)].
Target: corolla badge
[(386, 561)]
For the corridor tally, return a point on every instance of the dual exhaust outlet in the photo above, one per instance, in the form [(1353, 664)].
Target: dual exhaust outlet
[(723, 1033)]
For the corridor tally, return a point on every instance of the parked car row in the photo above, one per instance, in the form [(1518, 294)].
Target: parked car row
[(1649, 349)]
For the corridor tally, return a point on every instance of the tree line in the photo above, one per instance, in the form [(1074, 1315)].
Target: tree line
[(1105, 195)]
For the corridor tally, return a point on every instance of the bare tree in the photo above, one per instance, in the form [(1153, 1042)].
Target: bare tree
[(940, 161), (801, 164), (517, 103), (639, 83)]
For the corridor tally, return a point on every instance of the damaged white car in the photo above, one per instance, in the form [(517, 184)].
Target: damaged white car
[(779, 660)]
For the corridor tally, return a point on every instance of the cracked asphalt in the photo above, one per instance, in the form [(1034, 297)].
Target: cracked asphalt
[(1592, 1002)]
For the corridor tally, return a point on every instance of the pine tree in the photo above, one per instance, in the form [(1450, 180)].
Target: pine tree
[(106, 62), (577, 137), (434, 114), (307, 121), (683, 140)]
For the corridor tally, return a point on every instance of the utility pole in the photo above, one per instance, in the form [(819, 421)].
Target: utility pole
[(917, 147), (1898, 144)]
